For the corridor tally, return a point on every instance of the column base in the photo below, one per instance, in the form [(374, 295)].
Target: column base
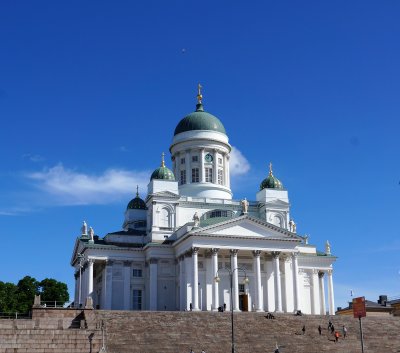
[(260, 311), (196, 309)]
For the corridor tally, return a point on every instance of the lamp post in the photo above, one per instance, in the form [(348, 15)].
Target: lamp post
[(246, 280), (81, 258)]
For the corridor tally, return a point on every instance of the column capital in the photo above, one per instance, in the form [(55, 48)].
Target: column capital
[(90, 261), (321, 274), (127, 263), (295, 255), (256, 253), (233, 252), (181, 257), (329, 272), (275, 254), (153, 261), (214, 251), (109, 262), (195, 250)]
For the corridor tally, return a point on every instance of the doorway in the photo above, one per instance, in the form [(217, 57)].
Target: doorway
[(244, 302)]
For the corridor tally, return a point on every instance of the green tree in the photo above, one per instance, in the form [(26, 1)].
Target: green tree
[(8, 297), (53, 291), (27, 288)]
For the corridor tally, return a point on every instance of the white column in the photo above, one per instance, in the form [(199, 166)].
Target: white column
[(109, 280), (277, 282), (330, 294), (295, 267), (215, 302), (257, 266), (153, 284), (188, 280), (188, 170), (314, 292), (90, 278), (202, 171), (322, 293), (235, 280), (127, 285), (215, 167), (195, 287), (182, 283), (103, 288), (225, 170), (228, 176)]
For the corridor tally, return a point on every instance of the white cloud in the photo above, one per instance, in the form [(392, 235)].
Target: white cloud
[(33, 157), (68, 187), (238, 163)]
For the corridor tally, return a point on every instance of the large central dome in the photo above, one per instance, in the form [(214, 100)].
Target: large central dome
[(199, 120)]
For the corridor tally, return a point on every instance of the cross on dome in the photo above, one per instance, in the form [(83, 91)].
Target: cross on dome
[(199, 95)]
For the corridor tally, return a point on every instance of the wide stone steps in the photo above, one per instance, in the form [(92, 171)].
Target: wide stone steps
[(174, 332), (148, 332)]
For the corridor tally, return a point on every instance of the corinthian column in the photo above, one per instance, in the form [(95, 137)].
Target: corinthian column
[(322, 293), (277, 280), (295, 281), (257, 266), (215, 287), (235, 280), (195, 280), (330, 294), (153, 284), (90, 278)]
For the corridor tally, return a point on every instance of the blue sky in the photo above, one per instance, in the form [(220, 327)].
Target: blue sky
[(91, 92)]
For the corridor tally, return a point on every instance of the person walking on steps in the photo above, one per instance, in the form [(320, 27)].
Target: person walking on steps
[(276, 348), (320, 330), (336, 336), (344, 331), (304, 329)]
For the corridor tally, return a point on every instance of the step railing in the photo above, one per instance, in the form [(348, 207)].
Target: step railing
[(15, 315)]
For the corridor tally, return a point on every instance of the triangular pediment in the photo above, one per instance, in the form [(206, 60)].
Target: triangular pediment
[(278, 202), (246, 226)]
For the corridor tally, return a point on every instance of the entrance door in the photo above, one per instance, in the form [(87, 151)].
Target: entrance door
[(244, 302)]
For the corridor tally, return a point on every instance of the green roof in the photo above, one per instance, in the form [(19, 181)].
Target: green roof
[(271, 182), (162, 173), (136, 204), (199, 120)]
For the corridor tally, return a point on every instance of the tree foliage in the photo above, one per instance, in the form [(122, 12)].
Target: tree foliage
[(19, 298)]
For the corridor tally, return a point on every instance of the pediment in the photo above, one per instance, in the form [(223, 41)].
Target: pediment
[(246, 226), (278, 202)]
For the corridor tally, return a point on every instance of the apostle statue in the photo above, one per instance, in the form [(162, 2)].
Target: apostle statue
[(91, 234), (84, 228), (292, 226), (327, 248), (306, 237), (245, 206), (196, 219)]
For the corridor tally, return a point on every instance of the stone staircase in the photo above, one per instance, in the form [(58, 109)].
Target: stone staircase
[(177, 332), (77, 331), (50, 331)]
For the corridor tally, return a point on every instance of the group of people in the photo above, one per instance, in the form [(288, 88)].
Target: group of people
[(202, 351), (331, 329)]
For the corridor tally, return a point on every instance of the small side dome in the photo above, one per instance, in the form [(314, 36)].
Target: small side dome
[(271, 182), (137, 203), (163, 172)]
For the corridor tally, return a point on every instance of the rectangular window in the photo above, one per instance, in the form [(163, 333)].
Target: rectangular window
[(209, 178), (183, 177), (241, 288), (195, 158), (195, 175), (220, 161), (137, 299), (182, 160), (137, 272), (220, 177)]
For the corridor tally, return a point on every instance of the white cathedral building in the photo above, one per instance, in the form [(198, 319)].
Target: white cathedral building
[(189, 246)]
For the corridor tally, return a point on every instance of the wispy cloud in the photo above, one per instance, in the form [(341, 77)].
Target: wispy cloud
[(63, 186), (239, 165), (33, 157)]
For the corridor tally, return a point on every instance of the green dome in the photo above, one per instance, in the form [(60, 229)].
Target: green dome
[(136, 204), (271, 182), (199, 120), (163, 172)]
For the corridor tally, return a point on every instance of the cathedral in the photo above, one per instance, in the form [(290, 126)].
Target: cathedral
[(188, 245)]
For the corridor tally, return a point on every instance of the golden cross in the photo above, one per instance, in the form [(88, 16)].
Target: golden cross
[(162, 160), (199, 95), (270, 168)]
